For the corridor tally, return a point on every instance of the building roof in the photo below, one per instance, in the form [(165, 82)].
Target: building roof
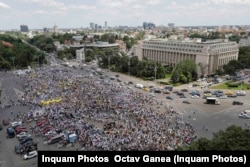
[(7, 44)]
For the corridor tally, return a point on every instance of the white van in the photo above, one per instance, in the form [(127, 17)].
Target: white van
[(140, 86)]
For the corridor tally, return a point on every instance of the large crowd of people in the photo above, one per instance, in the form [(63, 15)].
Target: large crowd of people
[(104, 114)]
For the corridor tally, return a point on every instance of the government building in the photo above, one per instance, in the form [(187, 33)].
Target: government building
[(212, 54)]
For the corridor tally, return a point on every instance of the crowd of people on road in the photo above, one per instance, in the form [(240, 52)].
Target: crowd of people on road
[(87, 105)]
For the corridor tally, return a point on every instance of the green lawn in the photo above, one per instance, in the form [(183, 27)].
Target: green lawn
[(168, 76), (224, 86)]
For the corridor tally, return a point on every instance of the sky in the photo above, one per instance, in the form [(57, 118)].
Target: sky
[(79, 13)]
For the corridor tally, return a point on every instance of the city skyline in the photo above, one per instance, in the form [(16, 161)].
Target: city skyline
[(65, 14)]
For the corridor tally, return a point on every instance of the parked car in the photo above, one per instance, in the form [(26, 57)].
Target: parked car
[(23, 135), (30, 155), (233, 96), (195, 97), (165, 91), (21, 130), (14, 124), (41, 123), (237, 103), (50, 132), (244, 115), (185, 101), (19, 149), (28, 143), (151, 94), (223, 97), (169, 97), (182, 96), (26, 139), (130, 82), (184, 90), (10, 132), (20, 127), (241, 93), (6, 122), (157, 91)]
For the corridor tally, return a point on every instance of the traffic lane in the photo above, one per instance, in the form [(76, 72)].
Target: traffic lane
[(216, 121)]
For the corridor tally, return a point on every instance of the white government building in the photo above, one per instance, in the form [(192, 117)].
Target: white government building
[(213, 54)]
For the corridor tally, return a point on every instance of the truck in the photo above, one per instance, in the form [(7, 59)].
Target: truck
[(212, 100)]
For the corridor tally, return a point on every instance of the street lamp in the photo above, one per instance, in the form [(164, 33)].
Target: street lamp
[(13, 60), (38, 60), (129, 66), (109, 62), (155, 73)]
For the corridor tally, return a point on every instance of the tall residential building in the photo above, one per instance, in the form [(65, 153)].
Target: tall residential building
[(55, 29), (213, 54), (92, 25), (171, 25), (105, 24), (24, 28), (148, 26), (96, 26), (45, 30)]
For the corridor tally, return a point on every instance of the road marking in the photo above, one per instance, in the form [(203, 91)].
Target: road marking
[(216, 117), (223, 120), (229, 123)]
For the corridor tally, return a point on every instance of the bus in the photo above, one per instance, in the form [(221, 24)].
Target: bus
[(56, 139)]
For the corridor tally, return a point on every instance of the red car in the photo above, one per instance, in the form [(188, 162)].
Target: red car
[(21, 130), (41, 122), (46, 127), (42, 119), (20, 127), (46, 130)]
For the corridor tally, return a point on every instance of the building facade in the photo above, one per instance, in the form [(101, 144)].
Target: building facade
[(80, 55), (244, 42), (213, 54)]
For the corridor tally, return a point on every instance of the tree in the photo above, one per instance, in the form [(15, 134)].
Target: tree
[(231, 139), (175, 76), (23, 54), (108, 38), (203, 69), (186, 71)]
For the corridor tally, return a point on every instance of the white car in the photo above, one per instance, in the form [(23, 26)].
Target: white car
[(16, 123), (140, 86), (22, 135), (244, 115), (241, 93), (50, 133), (152, 94), (223, 97), (195, 97), (30, 155)]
